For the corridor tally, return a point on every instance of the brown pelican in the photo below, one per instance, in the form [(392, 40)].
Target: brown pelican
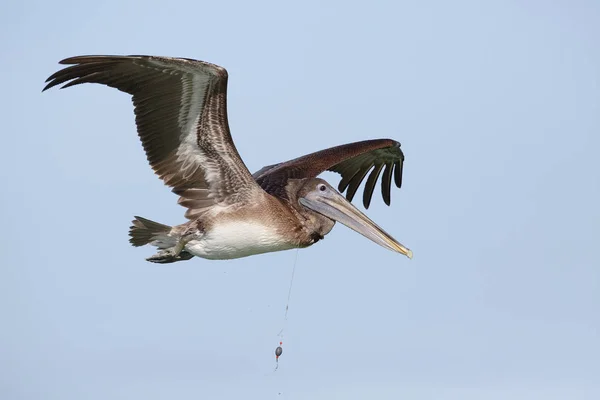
[(181, 116)]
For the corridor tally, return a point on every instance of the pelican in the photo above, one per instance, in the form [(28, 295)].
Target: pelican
[(181, 117)]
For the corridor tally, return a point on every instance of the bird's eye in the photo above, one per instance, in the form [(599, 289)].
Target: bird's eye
[(322, 188)]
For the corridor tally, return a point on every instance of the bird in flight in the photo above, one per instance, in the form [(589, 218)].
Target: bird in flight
[(181, 116)]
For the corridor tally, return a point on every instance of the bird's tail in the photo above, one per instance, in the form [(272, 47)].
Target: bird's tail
[(143, 231)]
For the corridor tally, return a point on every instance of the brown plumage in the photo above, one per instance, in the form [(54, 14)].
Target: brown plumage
[(353, 161), (181, 116)]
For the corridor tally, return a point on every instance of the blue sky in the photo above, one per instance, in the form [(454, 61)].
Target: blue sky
[(497, 106)]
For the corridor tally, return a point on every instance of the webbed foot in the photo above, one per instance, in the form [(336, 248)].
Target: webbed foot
[(169, 256)]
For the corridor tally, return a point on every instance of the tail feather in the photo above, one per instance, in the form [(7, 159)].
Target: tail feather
[(143, 231)]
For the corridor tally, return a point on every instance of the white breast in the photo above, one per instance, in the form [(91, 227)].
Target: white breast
[(237, 239)]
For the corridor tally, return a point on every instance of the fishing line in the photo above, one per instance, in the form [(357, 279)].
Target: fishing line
[(279, 349)]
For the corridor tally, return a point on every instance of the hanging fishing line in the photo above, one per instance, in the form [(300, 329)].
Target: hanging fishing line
[(279, 349)]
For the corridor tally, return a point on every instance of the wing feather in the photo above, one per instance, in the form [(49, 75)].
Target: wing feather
[(386, 183), (370, 185), (181, 117), (398, 173), (352, 161)]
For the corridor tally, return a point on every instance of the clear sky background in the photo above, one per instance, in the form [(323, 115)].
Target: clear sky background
[(497, 106)]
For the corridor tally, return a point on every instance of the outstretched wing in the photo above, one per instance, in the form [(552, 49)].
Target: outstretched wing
[(181, 116), (352, 161)]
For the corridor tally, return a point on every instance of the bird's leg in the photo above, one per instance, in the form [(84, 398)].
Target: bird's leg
[(185, 239), (177, 252)]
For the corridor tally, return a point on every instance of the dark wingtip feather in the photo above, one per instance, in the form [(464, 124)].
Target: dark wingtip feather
[(71, 60), (346, 181), (398, 173), (370, 185), (80, 67), (355, 182), (88, 59), (386, 184)]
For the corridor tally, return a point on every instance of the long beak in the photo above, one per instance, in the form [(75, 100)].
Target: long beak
[(339, 209)]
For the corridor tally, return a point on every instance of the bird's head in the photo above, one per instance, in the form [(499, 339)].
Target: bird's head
[(315, 196)]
